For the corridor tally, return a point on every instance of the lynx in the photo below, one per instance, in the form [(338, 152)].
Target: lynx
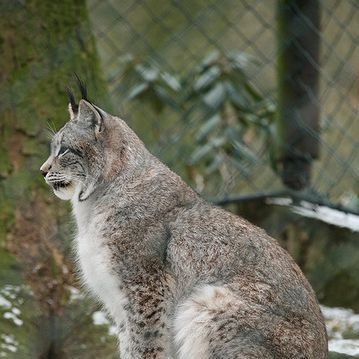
[(180, 277)]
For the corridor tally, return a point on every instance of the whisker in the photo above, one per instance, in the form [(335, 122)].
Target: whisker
[(51, 127), (49, 134)]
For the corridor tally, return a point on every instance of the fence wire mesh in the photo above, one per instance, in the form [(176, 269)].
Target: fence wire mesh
[(170, 40), (166, 64)]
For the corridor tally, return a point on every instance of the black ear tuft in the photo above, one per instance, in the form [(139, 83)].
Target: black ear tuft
[(73, 106), (72, 100), (82, 87)]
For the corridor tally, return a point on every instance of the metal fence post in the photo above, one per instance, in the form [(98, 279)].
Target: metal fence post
[(298, 81)]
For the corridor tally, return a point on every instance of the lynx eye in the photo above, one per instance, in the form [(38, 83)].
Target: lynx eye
[(63, 150)]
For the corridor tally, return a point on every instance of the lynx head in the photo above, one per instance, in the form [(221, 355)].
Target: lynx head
[(89, 150)]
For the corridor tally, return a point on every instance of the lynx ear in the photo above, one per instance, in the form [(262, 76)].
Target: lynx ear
[(102, 113), (89, 116)]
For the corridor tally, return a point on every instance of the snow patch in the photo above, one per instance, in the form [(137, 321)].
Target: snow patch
[(323, 213), (100, 318), (338, 321), (75, 294), (344, 346), (14, 318), (16, 311), (9, 343), (4, 303)]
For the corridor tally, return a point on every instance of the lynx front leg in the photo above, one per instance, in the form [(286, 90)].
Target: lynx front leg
[(147, 325)]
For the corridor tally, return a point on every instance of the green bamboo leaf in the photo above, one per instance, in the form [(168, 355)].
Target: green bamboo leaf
[(207, 127), (232, 134), (127, 59), (239, 147), (250, 89), (236, 97), (214, 165), (216, 96), (207, 78), (202, 151), (244, 152), (171, 81), (164, 96), (148, 73), (137, 90), (212, 57)]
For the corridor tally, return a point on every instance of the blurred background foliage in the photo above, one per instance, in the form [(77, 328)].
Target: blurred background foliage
[(198, 81), (234, 118)]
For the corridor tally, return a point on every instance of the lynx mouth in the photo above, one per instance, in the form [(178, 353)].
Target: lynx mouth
[(60, 185)]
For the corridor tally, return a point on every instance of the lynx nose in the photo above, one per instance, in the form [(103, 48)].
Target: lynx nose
[(45, 168), (44, 173)]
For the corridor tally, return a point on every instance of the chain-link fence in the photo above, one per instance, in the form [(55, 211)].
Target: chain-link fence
[(209, 87), (173, 69)]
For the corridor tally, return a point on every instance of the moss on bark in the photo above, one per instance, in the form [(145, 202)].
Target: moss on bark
[(42, 43)]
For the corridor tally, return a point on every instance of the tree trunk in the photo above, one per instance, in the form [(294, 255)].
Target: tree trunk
[(42, 43)]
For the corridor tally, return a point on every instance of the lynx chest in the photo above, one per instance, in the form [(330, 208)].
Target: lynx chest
[(94, 260)]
